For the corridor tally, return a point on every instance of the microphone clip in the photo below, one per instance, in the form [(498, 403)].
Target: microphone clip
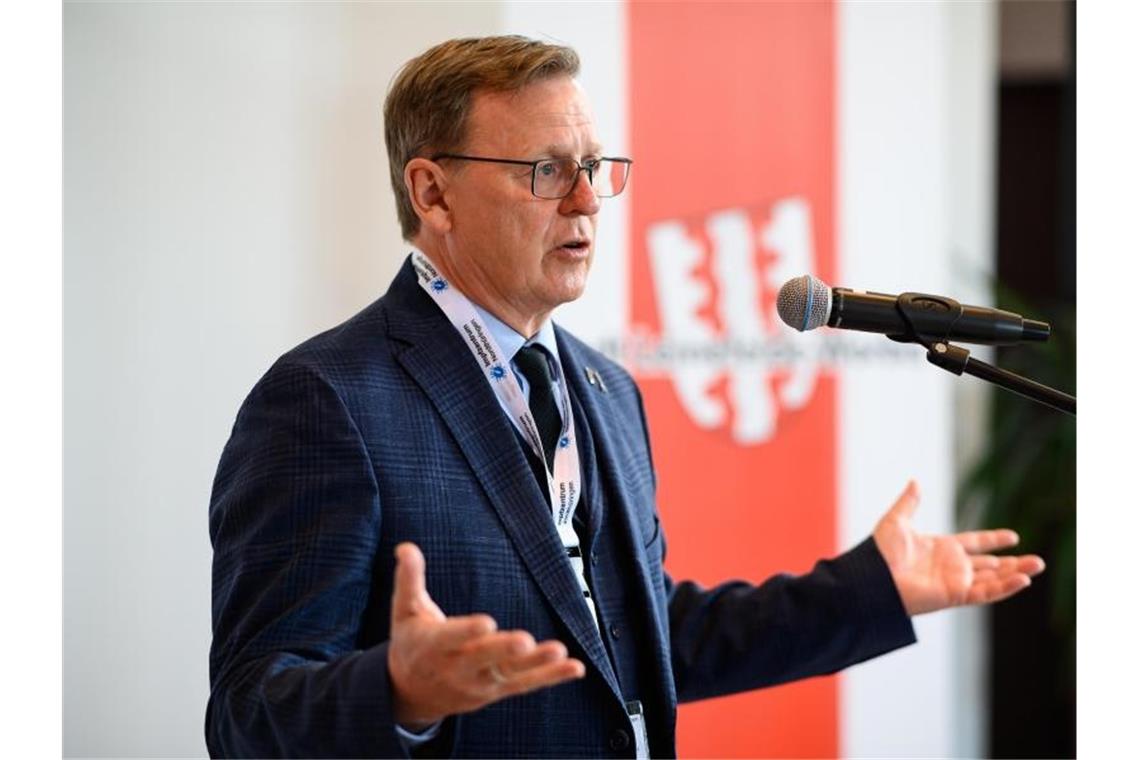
[(924, 315)]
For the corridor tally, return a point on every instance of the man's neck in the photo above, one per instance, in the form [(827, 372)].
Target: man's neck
[(471, 286)]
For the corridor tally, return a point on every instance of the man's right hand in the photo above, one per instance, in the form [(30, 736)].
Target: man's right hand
[(442, 666)]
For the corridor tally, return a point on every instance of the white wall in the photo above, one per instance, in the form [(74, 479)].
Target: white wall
[(226, 195), (916, 105)]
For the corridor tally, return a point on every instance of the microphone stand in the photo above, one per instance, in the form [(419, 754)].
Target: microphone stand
[(956, 359)]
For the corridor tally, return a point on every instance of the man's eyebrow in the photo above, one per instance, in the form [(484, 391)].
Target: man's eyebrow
[(562, 151)]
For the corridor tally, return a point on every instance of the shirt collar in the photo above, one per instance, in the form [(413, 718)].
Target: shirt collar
[(510, 341)]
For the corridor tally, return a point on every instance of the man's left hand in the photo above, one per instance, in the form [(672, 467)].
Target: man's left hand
[(936, 572)]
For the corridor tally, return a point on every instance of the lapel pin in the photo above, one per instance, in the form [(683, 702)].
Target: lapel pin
[(594, 378)]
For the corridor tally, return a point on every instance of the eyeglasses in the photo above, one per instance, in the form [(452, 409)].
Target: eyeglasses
[(555, 178)]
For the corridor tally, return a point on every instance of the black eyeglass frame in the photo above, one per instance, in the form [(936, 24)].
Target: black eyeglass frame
[(589, 169)]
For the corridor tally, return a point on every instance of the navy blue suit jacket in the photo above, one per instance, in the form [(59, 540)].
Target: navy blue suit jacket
[(383, 430)]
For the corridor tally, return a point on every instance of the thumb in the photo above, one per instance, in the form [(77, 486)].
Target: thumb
[(907, 502), (409, 595)]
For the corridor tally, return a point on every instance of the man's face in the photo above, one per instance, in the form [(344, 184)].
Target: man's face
[(522, 254)]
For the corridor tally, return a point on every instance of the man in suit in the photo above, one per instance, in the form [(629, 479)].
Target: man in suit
[(452, 420)]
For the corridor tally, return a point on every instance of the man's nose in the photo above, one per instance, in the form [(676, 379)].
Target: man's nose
[(582, 198)]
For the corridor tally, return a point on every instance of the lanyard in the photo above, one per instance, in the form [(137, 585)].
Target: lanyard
[(564, 484)]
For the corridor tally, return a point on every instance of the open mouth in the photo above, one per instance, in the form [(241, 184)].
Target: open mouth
[(575, 245)]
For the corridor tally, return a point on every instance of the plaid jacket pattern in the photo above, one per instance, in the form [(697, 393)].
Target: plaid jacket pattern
[(383, 430)]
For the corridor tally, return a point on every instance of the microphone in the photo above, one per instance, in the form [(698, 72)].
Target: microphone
[(806, 303)]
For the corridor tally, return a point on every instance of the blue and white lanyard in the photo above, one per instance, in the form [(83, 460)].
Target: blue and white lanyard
[(564, 484)]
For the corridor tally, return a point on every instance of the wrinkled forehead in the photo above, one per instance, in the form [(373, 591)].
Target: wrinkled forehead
[(548, 117)]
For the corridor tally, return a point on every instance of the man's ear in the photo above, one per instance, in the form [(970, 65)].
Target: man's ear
[(426, 183)]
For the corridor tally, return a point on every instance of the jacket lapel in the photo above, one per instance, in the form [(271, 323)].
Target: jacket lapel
[(441, 364), (609, 453)]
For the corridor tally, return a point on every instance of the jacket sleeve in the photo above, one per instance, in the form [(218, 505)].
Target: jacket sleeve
[(295, 522), (738, 636)]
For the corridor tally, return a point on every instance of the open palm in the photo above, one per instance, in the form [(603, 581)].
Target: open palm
[(934, 572)]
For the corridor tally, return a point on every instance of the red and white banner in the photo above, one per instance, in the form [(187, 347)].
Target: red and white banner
[(732, 126)]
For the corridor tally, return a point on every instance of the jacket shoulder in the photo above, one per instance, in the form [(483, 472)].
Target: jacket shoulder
[(360, 335)]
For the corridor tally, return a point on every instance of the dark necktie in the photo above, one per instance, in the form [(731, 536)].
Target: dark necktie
[(533, 363)]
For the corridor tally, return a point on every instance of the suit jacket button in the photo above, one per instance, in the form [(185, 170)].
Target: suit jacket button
[(615, 631), (594, 556), (619, 740)]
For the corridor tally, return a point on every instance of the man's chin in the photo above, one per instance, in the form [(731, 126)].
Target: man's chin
[(567, 281)]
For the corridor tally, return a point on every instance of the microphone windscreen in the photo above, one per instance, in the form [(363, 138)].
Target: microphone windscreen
[(804, 303)]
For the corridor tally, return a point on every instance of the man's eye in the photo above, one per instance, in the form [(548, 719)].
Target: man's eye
[(548, 169)]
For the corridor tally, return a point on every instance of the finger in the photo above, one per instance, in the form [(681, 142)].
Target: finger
[(543, 654), (984, 576), (409, 593), (985, 562), (543, 676), (496, 648), (453, 634), (1028, 564), (990, 562), (986, 591), (986, 540), (907, 502)]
